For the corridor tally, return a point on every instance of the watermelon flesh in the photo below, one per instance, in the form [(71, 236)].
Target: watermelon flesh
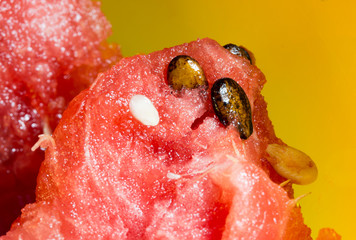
[(328, 234), (108, 176), (49, 52)]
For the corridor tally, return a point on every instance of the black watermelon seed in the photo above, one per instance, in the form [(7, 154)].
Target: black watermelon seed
[(238, 50), (231, 106)]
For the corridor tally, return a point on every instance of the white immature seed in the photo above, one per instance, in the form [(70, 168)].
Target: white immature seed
[(143, 110), (292, 164)]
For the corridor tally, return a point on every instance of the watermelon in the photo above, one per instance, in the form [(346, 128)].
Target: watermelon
[(49, 52), (135, 158)]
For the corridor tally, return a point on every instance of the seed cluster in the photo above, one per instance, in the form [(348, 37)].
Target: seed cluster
[(232, 107), (230, 102)]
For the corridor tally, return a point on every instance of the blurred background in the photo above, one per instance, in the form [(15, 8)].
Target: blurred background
[(306, 49)]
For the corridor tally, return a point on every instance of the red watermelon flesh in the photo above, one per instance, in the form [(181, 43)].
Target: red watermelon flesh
[(49, 52), (108, 176)]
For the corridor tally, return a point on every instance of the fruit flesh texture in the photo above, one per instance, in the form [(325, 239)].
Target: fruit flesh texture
[(103, 159), (49, 52)]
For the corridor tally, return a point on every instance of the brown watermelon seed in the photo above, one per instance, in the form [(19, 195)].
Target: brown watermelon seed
[(185, 72), (231, 106), (238, 50), (292, 164)]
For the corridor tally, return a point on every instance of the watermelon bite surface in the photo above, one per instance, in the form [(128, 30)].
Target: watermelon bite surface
[(108, 175), (49, 52)]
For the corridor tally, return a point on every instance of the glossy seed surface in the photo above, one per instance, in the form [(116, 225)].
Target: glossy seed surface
[(239, 51), (185, 72), (292, 164), (232, 106)]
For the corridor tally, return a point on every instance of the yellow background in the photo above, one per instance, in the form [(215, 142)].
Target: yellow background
[(306, 49)]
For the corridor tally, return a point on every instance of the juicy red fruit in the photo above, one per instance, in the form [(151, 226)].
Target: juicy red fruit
[(49, 52), (168, 181)]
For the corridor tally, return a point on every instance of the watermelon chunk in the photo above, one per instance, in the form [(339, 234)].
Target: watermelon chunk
[(49, 52), (107, 175)]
